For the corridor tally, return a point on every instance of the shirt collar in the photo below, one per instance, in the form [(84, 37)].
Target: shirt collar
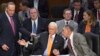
[(7, 14), (35, 20), (71, 36), (67, 21), (53, 36)]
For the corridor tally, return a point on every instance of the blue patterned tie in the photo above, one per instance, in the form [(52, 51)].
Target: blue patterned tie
[(34, 27)]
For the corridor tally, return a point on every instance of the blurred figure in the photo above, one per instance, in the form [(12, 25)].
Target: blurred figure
[(24, 11), (3, 7), (41, 5), (77, 11), (33, 26), (9, 29), (84, 3), (76, 43), (96, 9), (67, 14), (48, 42), (89, 23)]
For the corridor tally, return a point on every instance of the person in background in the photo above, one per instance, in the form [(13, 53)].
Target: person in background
[(41, 5), (24, 11), (84, 3), (96, 10), (77, 11), (48, 42), (33, 26), (67, 14), (91, 26), (89, 23), (3, 7)]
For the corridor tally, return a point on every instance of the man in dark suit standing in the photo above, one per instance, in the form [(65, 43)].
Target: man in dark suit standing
[(9, 27), (77, 11), (48, 42), (41, 5)]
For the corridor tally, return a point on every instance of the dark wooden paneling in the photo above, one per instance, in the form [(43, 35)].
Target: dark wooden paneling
[(52, 3)]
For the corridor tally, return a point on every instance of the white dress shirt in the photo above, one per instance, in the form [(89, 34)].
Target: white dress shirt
[(97, 14), (53, 37), (8, 16), (67, 21), (75, 14)]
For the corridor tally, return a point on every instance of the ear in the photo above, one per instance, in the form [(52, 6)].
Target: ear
[(63, 15)]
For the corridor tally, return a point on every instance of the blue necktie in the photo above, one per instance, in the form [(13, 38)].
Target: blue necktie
[(34, 27)]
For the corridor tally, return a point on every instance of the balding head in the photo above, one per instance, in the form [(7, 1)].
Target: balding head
[(10, 9), (52, 28)]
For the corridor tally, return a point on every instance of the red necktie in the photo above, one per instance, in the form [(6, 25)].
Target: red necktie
[(99, 15), (76, 16), (12, 24), (70, 47)]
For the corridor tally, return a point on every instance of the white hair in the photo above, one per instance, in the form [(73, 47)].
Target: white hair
[(53, 24)]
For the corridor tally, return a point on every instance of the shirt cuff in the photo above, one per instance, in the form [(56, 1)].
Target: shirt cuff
[(28, 44)]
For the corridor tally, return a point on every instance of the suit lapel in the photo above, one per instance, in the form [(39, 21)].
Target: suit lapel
[(46, 40), (54, 42), (38, 25), (9, 25), (30, 25), (77, 46), (14, 19)]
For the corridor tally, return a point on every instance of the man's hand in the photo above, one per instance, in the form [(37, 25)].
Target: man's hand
[(5, 47), (56, 52), (32, 34), (22, 42)]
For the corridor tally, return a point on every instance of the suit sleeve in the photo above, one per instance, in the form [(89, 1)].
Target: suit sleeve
[(23, 30), (80, 28), (76, 27), (61, 45), (97, 28), (2, 41), (84, 45)]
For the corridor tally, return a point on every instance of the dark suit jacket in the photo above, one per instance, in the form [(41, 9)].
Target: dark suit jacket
[(94, 12), (94, 29), (40, 47), (42, 7), (27, 24), (80, 15), (6, 34)]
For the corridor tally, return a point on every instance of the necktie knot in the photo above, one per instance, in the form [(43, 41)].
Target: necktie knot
[(67, 23)]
